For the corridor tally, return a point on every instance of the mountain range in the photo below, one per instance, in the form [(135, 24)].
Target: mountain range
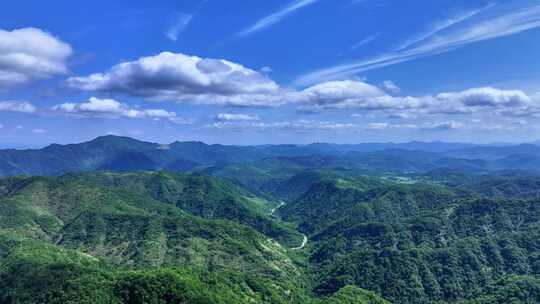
[(114, 153), (117, 220)]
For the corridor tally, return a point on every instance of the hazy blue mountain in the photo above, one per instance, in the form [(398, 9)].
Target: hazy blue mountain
[(494, 152), (126, 154)]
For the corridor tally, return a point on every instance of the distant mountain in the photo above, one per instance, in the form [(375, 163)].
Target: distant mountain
[(127, 154), (114, 153), (494, 152), (436, 147)]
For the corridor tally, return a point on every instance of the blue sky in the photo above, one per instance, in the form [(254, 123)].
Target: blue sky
[(288, 71)]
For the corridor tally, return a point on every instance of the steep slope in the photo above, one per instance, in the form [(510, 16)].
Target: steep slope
[(200, 195), (509, 186), (73, 228), (449, 254), (332, 200), (127, 227), (354, 295), (37, 272)]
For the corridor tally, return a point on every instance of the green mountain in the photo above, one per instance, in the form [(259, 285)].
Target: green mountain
[(73, 225), (199, 195), (448, 254), (329, 201), (315, 224), (354, 295), (114, 153)]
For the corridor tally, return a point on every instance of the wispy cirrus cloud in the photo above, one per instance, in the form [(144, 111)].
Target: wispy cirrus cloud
[(365, 41), (465, 28), (180, 21), (440, 26), (275, 17), (179, 24)]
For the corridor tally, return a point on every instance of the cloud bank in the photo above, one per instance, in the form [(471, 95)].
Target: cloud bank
[(27, 54), (183, 78), (110, 108)]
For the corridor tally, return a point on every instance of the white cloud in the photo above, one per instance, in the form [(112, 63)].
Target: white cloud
[(442, 126), (30, 53), (348, 94), (440, 26), (267, 70), (275, 17), (378, 126), (191, 79), (365, 41), (401, 115), (17, 106), (458, 31), (491, 97), (429, 126), (390, 86), (179, 24), (110, 108), (38, 131), (298, 125), (235, 117), (182, 78)]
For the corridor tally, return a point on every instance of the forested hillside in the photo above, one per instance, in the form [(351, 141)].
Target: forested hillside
[(288, 228)]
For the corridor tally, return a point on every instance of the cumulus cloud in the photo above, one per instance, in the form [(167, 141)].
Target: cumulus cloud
[(17, 106), (390, 86), (235, 117), (39, 131), (110, 108), (348, 94), (191, 79), (178, 77), (442, 126), (30, 53), (489, 97)]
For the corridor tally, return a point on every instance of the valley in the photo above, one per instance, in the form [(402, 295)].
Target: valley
[(294, 224)]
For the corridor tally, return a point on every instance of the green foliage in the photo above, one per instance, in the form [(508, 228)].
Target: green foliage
[(70, 226), (448, 254), (330, 201), (354, 295), (156, 237), (39, 273), (510, 290)]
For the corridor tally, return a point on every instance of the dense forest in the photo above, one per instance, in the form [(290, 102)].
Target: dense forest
[(117, 220)]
